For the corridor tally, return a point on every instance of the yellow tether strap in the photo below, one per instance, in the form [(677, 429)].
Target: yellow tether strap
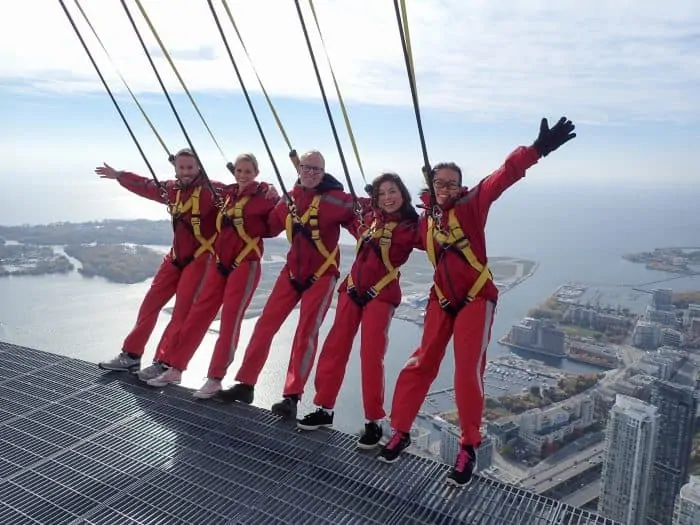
[(340, 97), (236, 214), (245, 49), (177, 74), (384, 235), (407, 36), (192, 205), (143, 112)]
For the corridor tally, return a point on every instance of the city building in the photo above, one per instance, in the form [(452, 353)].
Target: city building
[(551, 425), (693, 311), (538, 335), (589, 317), (687, 509), (629, 455), (662, 298), (664, 317), (671, 337), (646, 335), (677, 406)]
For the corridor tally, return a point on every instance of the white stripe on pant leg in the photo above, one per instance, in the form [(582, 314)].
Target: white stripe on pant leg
[(249, 289), (488, 318), (207, 268), (386, 344), (307, 360)]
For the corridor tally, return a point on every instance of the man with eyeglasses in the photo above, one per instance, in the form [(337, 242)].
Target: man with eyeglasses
[(319, 208)]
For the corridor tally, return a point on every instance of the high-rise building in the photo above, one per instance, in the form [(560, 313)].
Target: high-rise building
[(687, 511), (626, 477), (662, 298), (677, 406)]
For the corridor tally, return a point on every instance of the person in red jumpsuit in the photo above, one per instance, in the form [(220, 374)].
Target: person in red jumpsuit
[(367, 297), (230, 279), (309, 276), (462, 299), (193, 210)]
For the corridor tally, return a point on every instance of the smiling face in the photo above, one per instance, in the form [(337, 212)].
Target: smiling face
[(389, 198), (446, 184), (186, 168), (245, 170), (312, 166)]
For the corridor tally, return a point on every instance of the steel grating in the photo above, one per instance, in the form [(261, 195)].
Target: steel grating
[(78, 446)]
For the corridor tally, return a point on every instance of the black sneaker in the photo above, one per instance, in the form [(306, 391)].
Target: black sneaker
[(287, 408), (316, 420), (392, 450), (370, 437), (461, 475), (240, 392)]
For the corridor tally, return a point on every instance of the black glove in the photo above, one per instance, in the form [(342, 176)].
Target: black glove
[(231, 167), (369, 189), (171, 159), (551, 139)]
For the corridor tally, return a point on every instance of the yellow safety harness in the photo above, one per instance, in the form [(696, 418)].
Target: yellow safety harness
[(455, 238), (234, 216), (177, 209), (308, 223), (384, 235)]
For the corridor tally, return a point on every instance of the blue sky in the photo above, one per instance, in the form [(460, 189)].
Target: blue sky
[(627, 73)]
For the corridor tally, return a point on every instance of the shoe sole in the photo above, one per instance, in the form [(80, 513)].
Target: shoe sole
[(197, 395), (389, 461), (162, 385), (108, 368), (301, 426), (363, 446), (453, 483)]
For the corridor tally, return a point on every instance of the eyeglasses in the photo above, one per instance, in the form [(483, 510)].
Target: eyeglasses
[(440, 185), (312, 169)]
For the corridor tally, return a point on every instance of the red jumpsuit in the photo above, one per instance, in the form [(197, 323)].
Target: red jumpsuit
[(308, 275), (470, 323), (231, 278), (182, 270), (355, 308)]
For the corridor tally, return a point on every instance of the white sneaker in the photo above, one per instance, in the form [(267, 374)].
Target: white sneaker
[(209, 389), (171, 376)]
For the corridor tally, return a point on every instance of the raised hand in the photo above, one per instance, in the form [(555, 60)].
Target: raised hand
[(551, 139), (107, 172), (271, 193)]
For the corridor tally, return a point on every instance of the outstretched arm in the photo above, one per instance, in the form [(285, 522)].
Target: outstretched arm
[(142, 186), (522, 158)]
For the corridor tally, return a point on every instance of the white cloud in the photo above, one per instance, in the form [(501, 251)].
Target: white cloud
[(597, 61)]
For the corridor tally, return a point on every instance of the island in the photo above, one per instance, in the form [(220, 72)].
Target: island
[(19, 259), (683, 260), (118, 263), (119, 251)]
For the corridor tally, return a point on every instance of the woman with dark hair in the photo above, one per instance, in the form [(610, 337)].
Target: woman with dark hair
[(368, 297), (463, 296)]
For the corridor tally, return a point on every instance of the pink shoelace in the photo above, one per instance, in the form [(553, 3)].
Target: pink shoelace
[(463, 458)]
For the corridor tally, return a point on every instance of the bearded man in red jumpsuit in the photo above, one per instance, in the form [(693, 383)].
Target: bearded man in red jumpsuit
[(309, 276), (193, 210), (463, 297)]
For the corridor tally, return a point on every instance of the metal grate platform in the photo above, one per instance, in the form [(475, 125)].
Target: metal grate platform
[(80, 446)]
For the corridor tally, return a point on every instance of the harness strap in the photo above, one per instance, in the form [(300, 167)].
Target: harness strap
[(308, 223), (384, 235), (455, 239), (235, 217), (177, 209)]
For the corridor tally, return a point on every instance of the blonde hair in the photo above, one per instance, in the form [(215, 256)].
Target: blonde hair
[(249, 157)]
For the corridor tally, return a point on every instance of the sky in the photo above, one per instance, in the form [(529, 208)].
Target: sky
[(627, 73)]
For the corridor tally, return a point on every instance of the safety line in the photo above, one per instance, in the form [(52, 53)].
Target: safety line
[(293, 153), (177, 74), (252, 108), (126, 85), (402, 22), (207, 181), (340, 97), (327, 106), (163, 192)]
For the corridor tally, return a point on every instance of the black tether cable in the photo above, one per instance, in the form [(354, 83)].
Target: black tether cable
[(414, 95), (250, 103), (164, 194), (172, 106), (325, 101)]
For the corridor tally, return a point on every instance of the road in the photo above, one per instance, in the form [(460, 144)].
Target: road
[(583, 496), (566, 469)]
